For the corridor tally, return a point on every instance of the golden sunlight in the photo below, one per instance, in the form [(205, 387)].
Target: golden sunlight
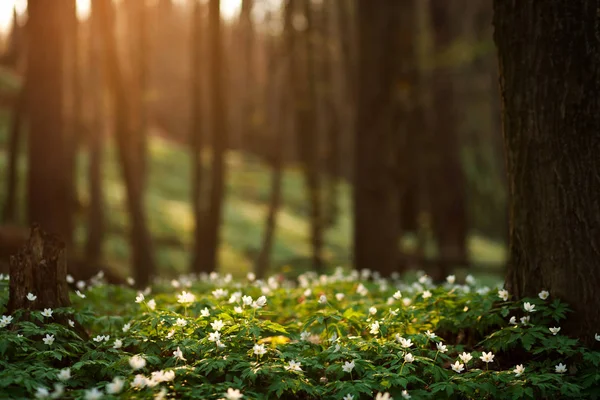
[(230, 9), (7, 6)]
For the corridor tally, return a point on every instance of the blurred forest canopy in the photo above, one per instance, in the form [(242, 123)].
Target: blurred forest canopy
[(159, 137)]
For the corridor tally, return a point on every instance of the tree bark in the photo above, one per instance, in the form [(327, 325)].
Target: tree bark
[(302, 77), (449, 215), (39, 268), (330, 82), (219, 132), (549, 57), (73, 99), (141, 244), (48, 185), (378, 114), (96, 222)]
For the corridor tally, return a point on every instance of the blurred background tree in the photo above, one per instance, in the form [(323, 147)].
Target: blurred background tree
[(161, 137)]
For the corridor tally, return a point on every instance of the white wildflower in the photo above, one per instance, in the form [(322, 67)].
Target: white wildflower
[(294, 366), (487, 357), (64, 374), (348, 366), (519, 369), (458, 367), (137, 362), (48, 340)]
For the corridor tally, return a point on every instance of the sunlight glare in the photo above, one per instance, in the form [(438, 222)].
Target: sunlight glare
[(230, 9), (6, 14)]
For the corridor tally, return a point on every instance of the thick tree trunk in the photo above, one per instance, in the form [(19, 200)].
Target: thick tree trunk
[(378, 136), (48, 200), (141, 243), (219, 130), (39, 268), (197, 138), (549, 57), (449, 215)]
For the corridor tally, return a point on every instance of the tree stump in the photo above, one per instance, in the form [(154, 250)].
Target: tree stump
[(40, 268)]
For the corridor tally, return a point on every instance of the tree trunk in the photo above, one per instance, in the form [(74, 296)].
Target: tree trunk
[(276, 101), (48, 184), (550, 79), (96, 228), (73, 111), (219, 140), (196, 138), (39, 268), (137, 32), (9, 214), (248, 73), (329, 81), (449, 215), (379, 112), (141, 243), (302, 77)]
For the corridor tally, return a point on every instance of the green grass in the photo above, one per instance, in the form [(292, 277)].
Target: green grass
[(170, 215)]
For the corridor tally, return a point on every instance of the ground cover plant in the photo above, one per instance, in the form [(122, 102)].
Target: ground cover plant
[(342, 336)]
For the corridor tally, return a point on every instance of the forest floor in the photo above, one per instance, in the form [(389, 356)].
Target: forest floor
[(171, 219)]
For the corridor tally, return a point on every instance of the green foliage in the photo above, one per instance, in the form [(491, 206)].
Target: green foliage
[(326, 337)]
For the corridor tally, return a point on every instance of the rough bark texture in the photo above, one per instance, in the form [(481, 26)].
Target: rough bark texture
[(376, 189), (141, 243), (48, 188), (39, 268), (549, 55)]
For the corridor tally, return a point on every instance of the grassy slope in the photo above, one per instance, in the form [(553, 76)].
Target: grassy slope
[(248, 190)]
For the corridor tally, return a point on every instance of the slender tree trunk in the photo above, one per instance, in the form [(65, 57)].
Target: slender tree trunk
[(379, 112), (550, 83), (73, 111), (344, 16), (9, 214), (142, 70), (219, 139), (196, 137), (276, 101), (141, 243), (247, 38), (331, 114), (96, 222), (302, 77), (48, 184), (449, 206)]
